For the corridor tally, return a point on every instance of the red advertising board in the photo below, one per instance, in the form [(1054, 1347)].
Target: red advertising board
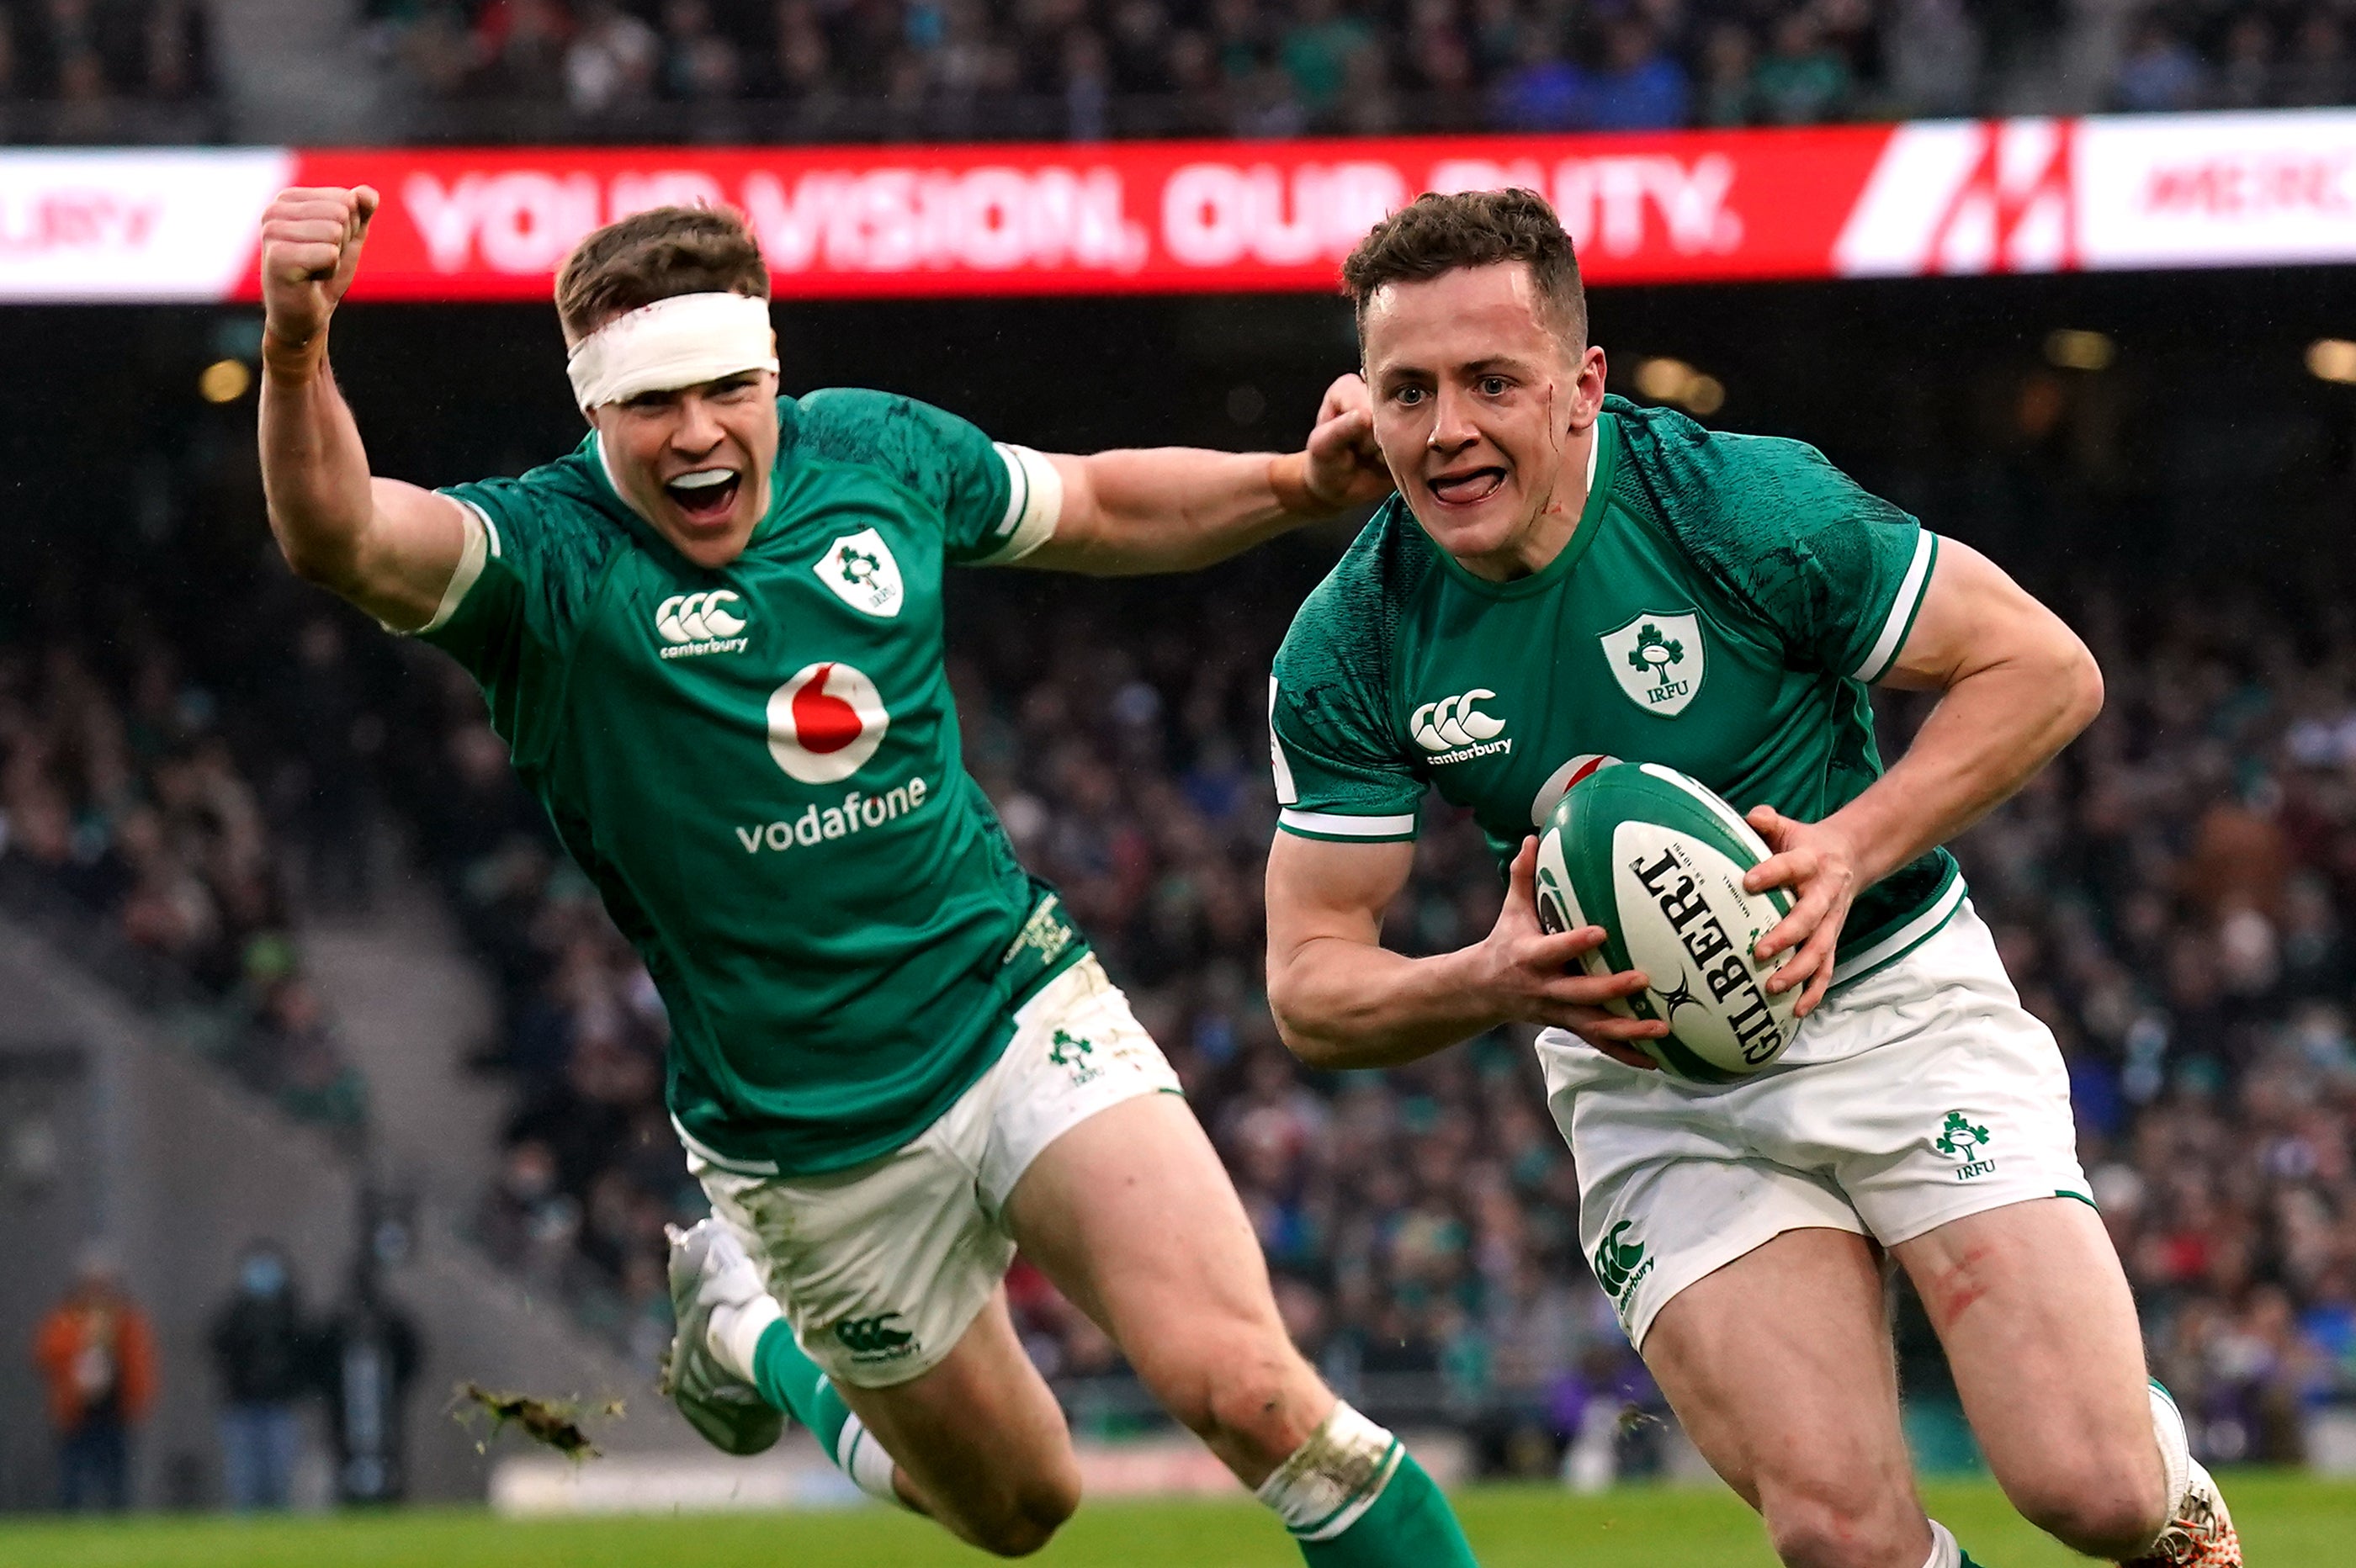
[(1942, 197), (1139, 218)]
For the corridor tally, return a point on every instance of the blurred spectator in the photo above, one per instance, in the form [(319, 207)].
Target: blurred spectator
[(2245, 80), (698, 61), (1640, 86), (613, 62), (1317, 49), (1934, 58), (2160, 74), (2315, 70), (1729, 58), (263, 1355), (1803, 79), (333, 736), (369, 1352), (97, 1354), (1543, 91)]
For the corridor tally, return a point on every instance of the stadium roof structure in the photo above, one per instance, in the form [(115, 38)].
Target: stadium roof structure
[(1915, 199)]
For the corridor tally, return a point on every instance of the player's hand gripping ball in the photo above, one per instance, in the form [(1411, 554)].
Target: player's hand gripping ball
[(1658, 862)]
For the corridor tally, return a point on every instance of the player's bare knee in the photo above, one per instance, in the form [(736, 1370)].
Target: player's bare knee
[(1025, 1520), (1252, 1399), (2107, 1511), (1838, 1528)]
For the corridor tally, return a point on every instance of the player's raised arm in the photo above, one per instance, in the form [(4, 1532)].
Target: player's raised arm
[(2017, 685), (1176, 508), (1342, 999), (389, 547)]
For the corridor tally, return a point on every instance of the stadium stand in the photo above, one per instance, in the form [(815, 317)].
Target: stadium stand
[(1089, 69), (2177, 897), (2170, 899), (129, 822), (106, 72), (96, 71)]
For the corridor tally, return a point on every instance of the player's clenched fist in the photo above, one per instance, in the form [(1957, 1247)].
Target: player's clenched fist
[(311, 240), (1346, 466)]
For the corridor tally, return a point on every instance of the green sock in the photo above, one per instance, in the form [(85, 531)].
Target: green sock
[(1410, 1525), (792, 1383)]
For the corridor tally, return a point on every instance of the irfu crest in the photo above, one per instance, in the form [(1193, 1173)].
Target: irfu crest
[(1959, 1139), (1657, 658), (858, 570)]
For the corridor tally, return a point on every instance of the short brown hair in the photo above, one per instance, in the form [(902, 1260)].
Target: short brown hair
[(657, 254), (1435, 234)]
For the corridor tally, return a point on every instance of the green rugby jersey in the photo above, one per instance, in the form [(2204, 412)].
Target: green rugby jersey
[(759, 768), (1720, 608)]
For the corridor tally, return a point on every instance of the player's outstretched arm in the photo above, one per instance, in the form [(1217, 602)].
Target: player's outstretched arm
[(1342, 999), (2018, 686), (389, 547), (1176, 508)]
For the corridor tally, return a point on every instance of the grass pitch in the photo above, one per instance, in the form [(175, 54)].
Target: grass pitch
[(2288, 1521)]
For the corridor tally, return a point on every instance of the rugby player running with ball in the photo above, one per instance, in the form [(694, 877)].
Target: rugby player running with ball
[(1565, 577), (711, 639)]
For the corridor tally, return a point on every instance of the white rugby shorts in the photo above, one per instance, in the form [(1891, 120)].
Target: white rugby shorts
[(1937, 1095), (880, 1267)]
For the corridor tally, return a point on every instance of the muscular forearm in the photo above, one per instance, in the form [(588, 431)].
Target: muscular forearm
[(1179, 508), (1340, 1003), (1990, 732), (315, 470)]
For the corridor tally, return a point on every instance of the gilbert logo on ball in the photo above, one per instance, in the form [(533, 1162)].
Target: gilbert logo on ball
[(1658, 860), (826, 723)]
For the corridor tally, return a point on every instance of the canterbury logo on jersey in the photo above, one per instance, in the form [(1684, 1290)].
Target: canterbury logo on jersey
[(696, 623), (877, 1338), (1456, 730)]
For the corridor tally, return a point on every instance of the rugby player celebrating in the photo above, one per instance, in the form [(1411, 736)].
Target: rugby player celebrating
[(711, 638), (1564, 577)]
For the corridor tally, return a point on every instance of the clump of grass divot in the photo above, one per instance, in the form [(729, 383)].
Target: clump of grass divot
[(554, 1424)]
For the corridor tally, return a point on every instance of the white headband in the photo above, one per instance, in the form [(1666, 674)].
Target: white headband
[(683, 341)]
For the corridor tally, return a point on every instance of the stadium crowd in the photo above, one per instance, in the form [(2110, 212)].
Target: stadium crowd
[(132, 820), (99, 70), (95, 70), (2175, 899), (1093, 68)]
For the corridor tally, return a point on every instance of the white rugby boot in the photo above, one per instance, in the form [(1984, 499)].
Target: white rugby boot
[(710, 1272), (2200, 1532)]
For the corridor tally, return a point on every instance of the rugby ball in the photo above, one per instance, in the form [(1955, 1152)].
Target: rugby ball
[(1658, 862)]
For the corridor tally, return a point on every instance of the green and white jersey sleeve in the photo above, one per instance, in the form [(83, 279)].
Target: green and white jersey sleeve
[(534, 549), (1840, 572), (1342, 771), (1000, 501)]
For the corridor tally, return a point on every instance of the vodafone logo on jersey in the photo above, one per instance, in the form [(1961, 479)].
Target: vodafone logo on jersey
[(826, 723)]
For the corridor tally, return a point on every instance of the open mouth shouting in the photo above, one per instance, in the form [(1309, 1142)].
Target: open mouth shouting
[(706, 497), (1466, 487)]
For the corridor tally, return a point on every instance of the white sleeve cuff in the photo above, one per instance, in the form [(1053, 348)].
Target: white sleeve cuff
[(1335, 825), (1034, 503), (482, 542), (1903, 610)]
